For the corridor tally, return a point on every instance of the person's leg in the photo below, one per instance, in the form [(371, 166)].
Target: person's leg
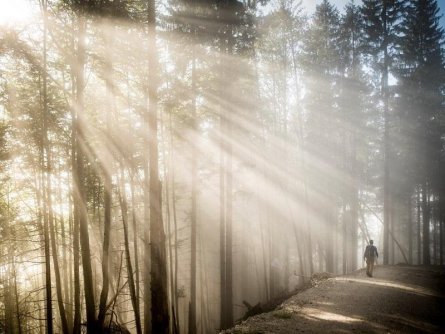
[(368, 267), (371, 266)]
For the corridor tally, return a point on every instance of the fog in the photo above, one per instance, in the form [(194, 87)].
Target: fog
[(168, 165)]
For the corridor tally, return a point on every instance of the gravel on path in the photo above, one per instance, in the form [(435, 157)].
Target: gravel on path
[(398, 299)]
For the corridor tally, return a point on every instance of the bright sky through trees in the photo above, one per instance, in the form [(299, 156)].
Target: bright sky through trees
[(17, 11)]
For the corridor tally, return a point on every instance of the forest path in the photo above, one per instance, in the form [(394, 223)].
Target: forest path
[(398, 299)]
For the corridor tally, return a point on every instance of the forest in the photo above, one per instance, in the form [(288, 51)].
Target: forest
[(166, 163)]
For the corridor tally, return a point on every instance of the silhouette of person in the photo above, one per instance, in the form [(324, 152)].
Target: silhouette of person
[(370, 256)]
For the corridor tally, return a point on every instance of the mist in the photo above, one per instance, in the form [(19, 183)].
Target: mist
[(168, 165)]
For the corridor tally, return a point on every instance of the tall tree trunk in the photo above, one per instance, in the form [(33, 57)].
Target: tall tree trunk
[(355, 206), (419, 242), (331, 221), (74, 209), (167, 170), (48, 192), (345, 239), (61, 305), (222, 207), (386, 186), (49, 308), (193, 214), (435, 232), (175, 223), (105, 248), (76, 245), (229, 193), (46, 238), (441, 227), (410, 229), (426, 225), (222, 229), (135, 241), (92, 325), (131, 283), (392, 222), (59, 292), (229, 233), (17, 302), (108, 188), (159, 296), (65, 260)]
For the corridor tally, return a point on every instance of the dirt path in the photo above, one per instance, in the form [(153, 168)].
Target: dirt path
[(399, 299)]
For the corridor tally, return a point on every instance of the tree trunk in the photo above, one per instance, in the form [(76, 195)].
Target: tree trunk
[(441, 226), (435, 232), (46, 237), (108, 189), (419, 243), (167, 168), (60, 302), (92, 326), (49, 214), (426, 225), (65, 261), (222, 210), (354, 208), (159, 296), (386, 191), (175, 225), (392, 222), (410, 230), (132, 286), (193, 214), (345, 239)]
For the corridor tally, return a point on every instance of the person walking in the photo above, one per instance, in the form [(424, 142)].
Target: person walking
[(370, 257)]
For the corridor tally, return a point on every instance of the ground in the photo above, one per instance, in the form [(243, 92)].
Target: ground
[(398, 299)]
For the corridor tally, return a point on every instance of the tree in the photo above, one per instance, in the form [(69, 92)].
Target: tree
[(421, 73), (380, 19), (351, 102), (155, 251), (321, 69)]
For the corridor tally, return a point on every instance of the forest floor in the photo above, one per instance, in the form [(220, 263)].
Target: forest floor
[(398, 299)]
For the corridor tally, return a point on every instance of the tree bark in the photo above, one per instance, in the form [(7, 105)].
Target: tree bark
[(159, 296), (386, 191), (92, 324), (410, 230), (46, 236), (108, 188), (419, 241), (426, 225), (193, 214), (132, 286)]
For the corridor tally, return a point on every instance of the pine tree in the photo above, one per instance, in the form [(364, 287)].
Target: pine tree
[(422, 73), (380, 19), (321, 66), (351, 103)]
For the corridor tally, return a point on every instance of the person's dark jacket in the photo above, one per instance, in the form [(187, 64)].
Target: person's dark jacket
[(371, 251)]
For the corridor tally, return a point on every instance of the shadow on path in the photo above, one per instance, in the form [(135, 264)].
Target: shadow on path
[(399, 299)]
